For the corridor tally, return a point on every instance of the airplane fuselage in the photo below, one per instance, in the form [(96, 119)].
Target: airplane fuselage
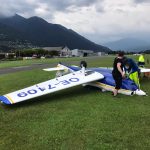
[(108, 84)]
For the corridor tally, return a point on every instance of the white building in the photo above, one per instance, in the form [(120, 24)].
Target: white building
[(101, 53), (64, 51), (7, 55), (82, 53)]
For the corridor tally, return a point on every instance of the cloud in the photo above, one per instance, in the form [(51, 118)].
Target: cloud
[(98, 20), (42, 8), (141, 1), (63, 5), (118, 19), (10, 7)]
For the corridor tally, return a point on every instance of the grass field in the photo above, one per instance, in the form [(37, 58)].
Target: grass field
[(74, 119), (7, 64)]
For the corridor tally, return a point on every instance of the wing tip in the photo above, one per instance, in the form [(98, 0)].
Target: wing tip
[(5, 100)]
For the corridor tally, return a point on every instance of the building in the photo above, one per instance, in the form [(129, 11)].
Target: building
[(82, 53), (101, 54), (63, 51), (7, 55)]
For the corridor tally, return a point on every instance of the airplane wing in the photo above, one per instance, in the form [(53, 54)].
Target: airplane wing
[(106, 68), (144, 70), (58, 68), (54, 69), (61, 67), (50, 86)]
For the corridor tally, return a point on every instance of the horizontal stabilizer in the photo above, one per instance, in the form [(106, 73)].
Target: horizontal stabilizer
[(54, 69), (50, 86), (144, 70), (58, 68), (62, 67)]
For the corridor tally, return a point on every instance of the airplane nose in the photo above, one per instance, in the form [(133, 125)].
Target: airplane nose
[(140, 92)]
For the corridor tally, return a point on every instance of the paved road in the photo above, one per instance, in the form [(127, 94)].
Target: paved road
[(21, 68), (31, 67), (41, 66)]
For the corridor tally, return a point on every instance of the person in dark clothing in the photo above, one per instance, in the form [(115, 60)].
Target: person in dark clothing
[(118, 73)]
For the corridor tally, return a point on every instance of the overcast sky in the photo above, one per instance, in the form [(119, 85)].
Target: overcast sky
[(98, 20)]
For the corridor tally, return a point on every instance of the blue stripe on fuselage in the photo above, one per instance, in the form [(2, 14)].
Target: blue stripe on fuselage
[(74, 68), (108, 79)]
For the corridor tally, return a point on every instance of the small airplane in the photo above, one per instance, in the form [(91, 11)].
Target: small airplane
[(70, 76)]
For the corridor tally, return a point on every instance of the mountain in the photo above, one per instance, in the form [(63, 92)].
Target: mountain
[(128, 44), (38, 32)]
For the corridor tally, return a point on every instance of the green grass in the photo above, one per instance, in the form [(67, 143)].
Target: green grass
[(7, 64), (74, 119), (103, 61)]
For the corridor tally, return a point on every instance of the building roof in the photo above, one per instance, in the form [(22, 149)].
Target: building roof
[(54, 48)]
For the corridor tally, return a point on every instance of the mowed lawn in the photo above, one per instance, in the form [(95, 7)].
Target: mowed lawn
[(8, 64), (74, 119)]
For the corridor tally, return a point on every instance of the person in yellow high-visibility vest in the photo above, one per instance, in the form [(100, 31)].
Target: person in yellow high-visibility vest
[(141, 61), (132, 70)]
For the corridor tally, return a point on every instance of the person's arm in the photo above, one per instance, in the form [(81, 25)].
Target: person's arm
[(119, 69)]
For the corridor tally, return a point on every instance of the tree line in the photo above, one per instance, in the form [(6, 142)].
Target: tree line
[(37, 52)]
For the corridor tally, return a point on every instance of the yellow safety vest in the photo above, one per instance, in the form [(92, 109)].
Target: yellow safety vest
[(141, 58)]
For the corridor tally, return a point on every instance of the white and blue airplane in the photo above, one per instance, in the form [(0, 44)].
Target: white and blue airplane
[(70, 76)]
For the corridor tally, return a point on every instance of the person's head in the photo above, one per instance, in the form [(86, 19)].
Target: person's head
[(127, 65), (121, 54), (125, 59), (126, 62)]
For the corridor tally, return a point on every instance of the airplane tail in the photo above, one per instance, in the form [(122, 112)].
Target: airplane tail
[(63, 69)]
